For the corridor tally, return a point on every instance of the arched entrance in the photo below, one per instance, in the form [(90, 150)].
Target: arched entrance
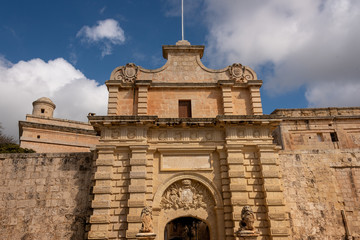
[(188, 196), (186, 228)]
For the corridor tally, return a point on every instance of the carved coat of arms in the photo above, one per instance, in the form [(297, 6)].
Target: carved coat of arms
[(186, 194), (127, 73)]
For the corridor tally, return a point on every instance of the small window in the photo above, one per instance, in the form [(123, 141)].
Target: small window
[(184, 108), (42, 110), (334, 137), (320, 137), (38, 136)]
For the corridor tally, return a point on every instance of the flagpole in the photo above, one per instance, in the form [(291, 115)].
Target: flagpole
[(182, 19)]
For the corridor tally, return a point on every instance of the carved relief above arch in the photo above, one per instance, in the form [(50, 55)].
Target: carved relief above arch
[(192, 184), (187, 194)]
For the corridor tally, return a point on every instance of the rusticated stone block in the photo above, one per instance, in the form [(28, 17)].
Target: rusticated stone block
[(135, 203), (237, 188), (99, 219), (236, 174), (137, 161), (102, 189), (134, 219), (137, 189), (97, 235), (101, 204), (234, 160), (103, 175), (137, 174)]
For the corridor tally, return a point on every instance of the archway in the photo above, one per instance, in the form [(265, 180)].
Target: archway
[(186, 228), (188, 195)]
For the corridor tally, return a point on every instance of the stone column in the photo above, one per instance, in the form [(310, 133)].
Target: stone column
[(100, 219), (255, 100), (113, 100), (273, 189), (137, 189)]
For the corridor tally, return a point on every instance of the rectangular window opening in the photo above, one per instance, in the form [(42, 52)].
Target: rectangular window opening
[(185, 109), (334, 137), (42, 110), (320, 137)]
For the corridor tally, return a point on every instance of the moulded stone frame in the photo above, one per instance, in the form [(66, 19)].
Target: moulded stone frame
[(215, 220)]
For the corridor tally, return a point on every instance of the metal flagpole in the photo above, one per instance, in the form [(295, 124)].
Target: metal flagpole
[(182, 19)]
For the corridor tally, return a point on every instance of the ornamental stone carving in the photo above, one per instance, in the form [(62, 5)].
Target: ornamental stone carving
[(146, 220), (240, 73), (127, 73), (186, 194), (247, 219)]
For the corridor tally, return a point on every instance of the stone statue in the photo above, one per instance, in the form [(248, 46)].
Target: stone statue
[(146, 220), (247, 219)]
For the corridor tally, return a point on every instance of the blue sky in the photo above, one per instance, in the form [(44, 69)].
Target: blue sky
[(307, 53)]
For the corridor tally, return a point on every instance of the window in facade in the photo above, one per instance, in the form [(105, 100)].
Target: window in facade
[(334, 137), (184, 108), (320, 137), (42, 110)]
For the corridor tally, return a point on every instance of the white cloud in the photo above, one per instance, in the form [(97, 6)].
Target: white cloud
[(107, 32), (24, 82), (335, 94), (309, 43)]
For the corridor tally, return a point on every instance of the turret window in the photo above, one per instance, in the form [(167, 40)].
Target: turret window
[(42, 110)]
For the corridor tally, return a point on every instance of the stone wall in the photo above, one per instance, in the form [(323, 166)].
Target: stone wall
[(318, 185), (45, 196)]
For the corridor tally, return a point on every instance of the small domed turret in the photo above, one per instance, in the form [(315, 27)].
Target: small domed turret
[(43, 107)]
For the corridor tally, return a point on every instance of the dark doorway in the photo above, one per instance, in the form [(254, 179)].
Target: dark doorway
[(186, 228)]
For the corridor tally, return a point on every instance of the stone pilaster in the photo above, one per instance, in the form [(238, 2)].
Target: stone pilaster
[(273, 189), (137, 189), (113, 100), (228, 218), (237, 182), (101, 204), (255, 100), (142, 100), (227, 97)]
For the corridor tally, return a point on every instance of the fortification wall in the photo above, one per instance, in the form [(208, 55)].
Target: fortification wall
[(45, 196), (318, 185)]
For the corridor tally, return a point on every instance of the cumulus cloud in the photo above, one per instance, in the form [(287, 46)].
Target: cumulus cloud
[(24, 82), (106, 33), (307, 43)]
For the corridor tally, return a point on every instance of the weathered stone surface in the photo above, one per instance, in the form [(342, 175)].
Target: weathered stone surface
[(45, 196)]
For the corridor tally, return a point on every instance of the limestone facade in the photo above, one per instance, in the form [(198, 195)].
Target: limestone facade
[(207, 165), (44, 133), (190, 147)]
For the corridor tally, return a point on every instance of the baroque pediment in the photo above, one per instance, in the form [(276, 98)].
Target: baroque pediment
[(183, 66)]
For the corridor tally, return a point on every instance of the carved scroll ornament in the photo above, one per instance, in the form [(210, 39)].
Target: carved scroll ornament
[(186, 194), (240, 73), (127, 73)]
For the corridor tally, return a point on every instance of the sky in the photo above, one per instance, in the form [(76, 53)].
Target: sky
[(306, 52)]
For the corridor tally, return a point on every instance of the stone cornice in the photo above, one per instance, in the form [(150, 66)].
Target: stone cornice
[(150, 121), (23, 124)]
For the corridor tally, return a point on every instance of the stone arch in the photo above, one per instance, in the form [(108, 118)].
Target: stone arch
[(193, 176), (188, 195)]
